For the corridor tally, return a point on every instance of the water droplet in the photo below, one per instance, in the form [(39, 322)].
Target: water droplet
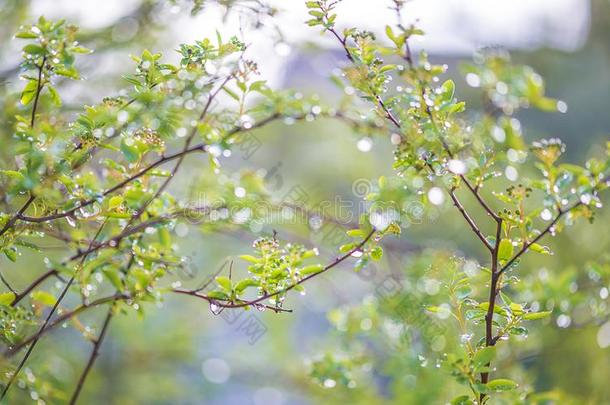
[(436, 196), (546, 214), (365, 144), (456, 166)]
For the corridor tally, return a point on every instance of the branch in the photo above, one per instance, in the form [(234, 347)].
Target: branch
[(94, 354), (242, 304), (38, 90), (468, 219), (46, 322), (160, 161), (526, 245), (34, 284), (64, 317), (17, 216), (386, 110)]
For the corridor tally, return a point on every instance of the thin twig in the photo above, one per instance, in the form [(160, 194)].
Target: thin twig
[(468, 219), (47, 320), (264, 297), (94, 353)]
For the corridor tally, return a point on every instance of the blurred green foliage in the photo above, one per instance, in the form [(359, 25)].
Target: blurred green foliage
[(407, 326)]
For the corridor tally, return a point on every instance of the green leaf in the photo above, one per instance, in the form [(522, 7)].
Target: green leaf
[(540, 249), (115, 202), (44, 298), (376, 253), (11, 254), (243, 284), (315, 268), (505, 251), (70, 73), (225, 283), (131, 153), (112, 274), (33, 49), (29, 92), (7, 298), (219, 295), (448, 90), (54, 95), (347, 247), (250, 258), (12, 174), (518, 331), (26, 35), (356, 233), (165, 237), (462, 400), (532, 316), (483, 357), (501, 384)]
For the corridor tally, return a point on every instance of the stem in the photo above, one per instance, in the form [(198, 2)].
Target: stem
[(47, 320), (38, 90), (526, 244), (493, 293), (34, 284), (94, 355), (17, 216), (64, 317), (242, 304), (468, 219)]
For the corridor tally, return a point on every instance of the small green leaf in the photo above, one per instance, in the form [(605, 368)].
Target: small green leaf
[(501, 384), (112, 274), (11, 254), (532, 316), (165, 237), (505, 251), (44, 298), (224, 282), (448, 90), (356, 233), (29, 92), (115, 202), (483, 357), (33, 49), (243, 284), (376, 253), (130, 152), (12, 174), (462, 400), (250, 258), (315, 268), (219, 295), (7, 298), (540, 249), (26, 35), (54, 95)]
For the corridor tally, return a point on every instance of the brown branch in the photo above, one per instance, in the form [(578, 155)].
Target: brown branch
[(33, 284), (62, 318), (493, 292), (187, 144), (17, 216), (94, 353), (526, 245), (378, 99), (266, 296), (468, 219), (160, 161), (38, 90), (46, 322)]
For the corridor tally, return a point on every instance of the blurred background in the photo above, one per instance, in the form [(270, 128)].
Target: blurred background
[(181, 353)]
